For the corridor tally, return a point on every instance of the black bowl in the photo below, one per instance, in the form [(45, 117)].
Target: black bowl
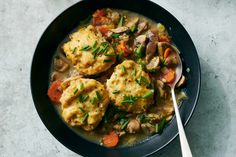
[(60, 28)]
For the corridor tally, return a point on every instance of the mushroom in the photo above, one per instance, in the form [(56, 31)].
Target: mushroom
[(120, 29), (154, 64), (60, 65), (171, 60), (152, 35), (160, 88), (142, 26), (181, 82), (150, 50), (132, 22), (133, 126)]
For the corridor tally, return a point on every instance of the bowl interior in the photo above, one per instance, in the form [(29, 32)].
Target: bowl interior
[(61, 27)]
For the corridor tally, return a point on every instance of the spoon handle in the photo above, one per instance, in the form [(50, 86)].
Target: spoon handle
[(186, 152)]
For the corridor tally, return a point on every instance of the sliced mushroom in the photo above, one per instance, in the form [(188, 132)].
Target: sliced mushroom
[(142, 27), (132, 22), (154, 64), (148, 128), (120, 29), (60, 65), (181, 82), (152, 35), (150, 50), (153, 117), (133, 126)]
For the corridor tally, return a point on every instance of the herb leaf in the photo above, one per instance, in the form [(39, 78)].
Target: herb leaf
[(74, 50), (99, 97), (95, 43), (115, 35), (81, 109), (94, 100), (149, 94), (129, 99), (161, 125), (123, 69), (121, 21), (76, 90), (85, 98), (115, 92), (84, 118), (118, 58), (85, 48), (81, 86), (107, 60)]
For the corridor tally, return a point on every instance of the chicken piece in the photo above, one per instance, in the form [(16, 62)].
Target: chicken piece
[(133, 126), (140, 40), (153, 64)]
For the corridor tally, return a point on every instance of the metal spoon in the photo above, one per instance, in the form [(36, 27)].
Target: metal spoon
[(186, 152)]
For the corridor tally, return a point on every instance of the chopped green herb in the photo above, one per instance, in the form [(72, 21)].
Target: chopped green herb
[(163, 63), (81, 109), (140, 52), (121, 21), (149, 94), (84, 118), (161, 125), (85, 98), (115, 35), (115, 92), (156, 128), (143, 118), (94, 100), (95, 43), (86, 48), (129, 99), (107, 60), (142, 65), (106, 54), (99, 97), (123, 69), (133, 29), (80, 98), (74, 50), (81, 86), (94, 51), (124, 124), (118, 58), (76, 90)]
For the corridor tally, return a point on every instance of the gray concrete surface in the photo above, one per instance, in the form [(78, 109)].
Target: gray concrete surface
[(210, 23)]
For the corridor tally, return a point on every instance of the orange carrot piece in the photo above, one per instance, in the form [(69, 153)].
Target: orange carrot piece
[(122, 47), (164, 38), (55, 92), (167, 52), (111, 139), (169, 76), (103, 29)]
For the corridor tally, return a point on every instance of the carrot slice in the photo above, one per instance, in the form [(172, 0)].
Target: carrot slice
[(103, 29), (111, 139), (122, 47), (164, 38), (167, 52), (55, 92), (169, 76)]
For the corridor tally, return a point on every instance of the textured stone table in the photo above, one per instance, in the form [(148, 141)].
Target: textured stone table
[(210, 23)]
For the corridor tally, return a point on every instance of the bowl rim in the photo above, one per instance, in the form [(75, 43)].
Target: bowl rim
[(194, 103)]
